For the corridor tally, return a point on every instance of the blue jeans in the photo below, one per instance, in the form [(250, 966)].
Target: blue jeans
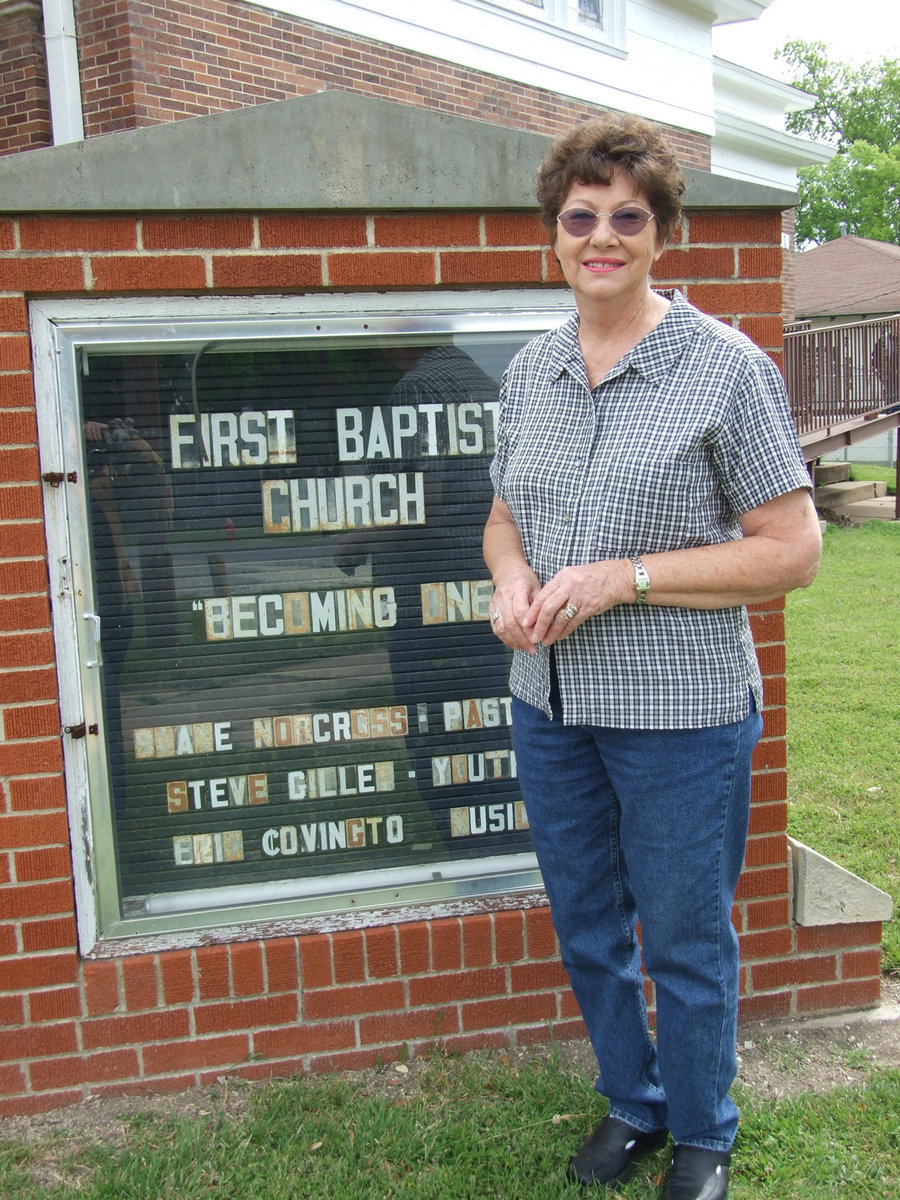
[(649, 826)]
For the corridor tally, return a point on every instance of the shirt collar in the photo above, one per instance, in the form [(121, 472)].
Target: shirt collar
[(651, 357)]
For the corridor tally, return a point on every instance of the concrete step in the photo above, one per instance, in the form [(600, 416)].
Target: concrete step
[(836, 495), (881, 508), (831, 472)]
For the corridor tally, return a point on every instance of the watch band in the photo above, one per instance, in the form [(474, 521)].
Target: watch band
[(641, 580)]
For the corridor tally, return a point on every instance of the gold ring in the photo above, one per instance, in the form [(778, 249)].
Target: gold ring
[(569, 612)]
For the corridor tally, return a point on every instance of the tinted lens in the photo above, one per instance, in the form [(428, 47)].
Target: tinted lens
[(578, 221), (629, 221)]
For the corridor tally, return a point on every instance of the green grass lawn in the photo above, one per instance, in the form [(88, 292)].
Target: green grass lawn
[(471, 1129), (843, 735)]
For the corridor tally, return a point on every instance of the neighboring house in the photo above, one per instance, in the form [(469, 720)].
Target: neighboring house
[(849, 279), (261, 267)]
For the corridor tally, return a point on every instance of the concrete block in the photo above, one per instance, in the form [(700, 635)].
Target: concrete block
[(828, 894)]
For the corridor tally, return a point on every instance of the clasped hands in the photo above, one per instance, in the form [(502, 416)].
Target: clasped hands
[(525, 615)]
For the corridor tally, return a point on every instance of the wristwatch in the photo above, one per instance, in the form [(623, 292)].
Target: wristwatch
[(641, 581)]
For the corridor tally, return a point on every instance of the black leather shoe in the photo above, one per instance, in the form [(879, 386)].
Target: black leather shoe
[(610, 1152), (698, 1174)]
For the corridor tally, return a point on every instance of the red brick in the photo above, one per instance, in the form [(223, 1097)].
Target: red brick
[(538, 976), (763, 851), (140, 982), (467, 1042), (509, 1010), (247, 969), (541, 937), (427, 229), (15, 354), (56, 1004), (29, 758), (353, 1060), (760, 262), (101, 987), (164, 1025), (381, 952), (767, 627), (20, 578), (60, 934), (770, 754), (135, 273), (350, 1001), (21, 503), (478, 942), (38, 1041), (772, 943), (431, 1023), (282, 966), (41, 275), (31, 795), (461, 985), (727, 298), (29, 1105), (78, 233), (765, 331), (27, 650), (12, 1082), (825, 998), (347, 953), (839, 937), (387, 268), (860, 964), (563, 1031), (49, 862), (24, 612), (20, 466), (213, 981), (14, 314), (249, 1014), (267, 271), (694, 263), (195, 1054), (196, 233), (769, 787), (509, 936), (764, 1008), (12, 1010), (472, 267), (774, 723), (415, 948), (311, 232), (35, 900), (176, 968), (772, 881), (17, 391), (791, 972), (83, 1068), (513, 229), (768, 818), (733, 228), (446, 945), (296, 1040), (34, 722), (768, 914)]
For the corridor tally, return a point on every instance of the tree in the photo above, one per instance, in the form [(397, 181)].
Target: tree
[(857, 110)]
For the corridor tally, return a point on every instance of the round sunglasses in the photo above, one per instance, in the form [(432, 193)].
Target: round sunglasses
[(627, 220)]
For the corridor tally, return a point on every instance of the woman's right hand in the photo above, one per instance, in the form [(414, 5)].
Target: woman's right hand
[(512, 599)]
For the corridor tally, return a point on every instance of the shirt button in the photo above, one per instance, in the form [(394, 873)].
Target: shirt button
[(567, 517)]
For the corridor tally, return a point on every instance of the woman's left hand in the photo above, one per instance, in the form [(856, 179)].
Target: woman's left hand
[(574, 594)]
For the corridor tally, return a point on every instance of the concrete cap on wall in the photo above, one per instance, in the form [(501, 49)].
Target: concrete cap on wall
[(329, 151)]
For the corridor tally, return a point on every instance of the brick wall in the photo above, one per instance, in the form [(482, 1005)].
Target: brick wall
[(147, 63), (167, 1020), (24, 100)]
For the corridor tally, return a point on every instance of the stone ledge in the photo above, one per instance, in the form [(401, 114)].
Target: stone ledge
[(828, 894)]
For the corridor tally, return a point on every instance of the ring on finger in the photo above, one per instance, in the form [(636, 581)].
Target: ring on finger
[(569, 611), (495, 616)]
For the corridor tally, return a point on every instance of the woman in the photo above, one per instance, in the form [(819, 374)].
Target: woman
[(648, 486)]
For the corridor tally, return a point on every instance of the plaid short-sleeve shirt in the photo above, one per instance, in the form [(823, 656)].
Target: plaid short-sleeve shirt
[(688, 431)]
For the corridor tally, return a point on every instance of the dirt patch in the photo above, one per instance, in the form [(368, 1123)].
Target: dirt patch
[(776, 1059)]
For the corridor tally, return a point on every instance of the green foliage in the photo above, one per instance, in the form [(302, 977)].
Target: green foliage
[(844, 710), (857, 110)]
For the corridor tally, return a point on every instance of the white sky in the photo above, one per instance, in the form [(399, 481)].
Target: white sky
[(853, 30)]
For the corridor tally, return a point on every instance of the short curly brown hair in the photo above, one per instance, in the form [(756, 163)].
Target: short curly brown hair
[(595, 150)]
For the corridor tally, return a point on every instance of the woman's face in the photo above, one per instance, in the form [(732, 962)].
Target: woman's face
[(605, 266)]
